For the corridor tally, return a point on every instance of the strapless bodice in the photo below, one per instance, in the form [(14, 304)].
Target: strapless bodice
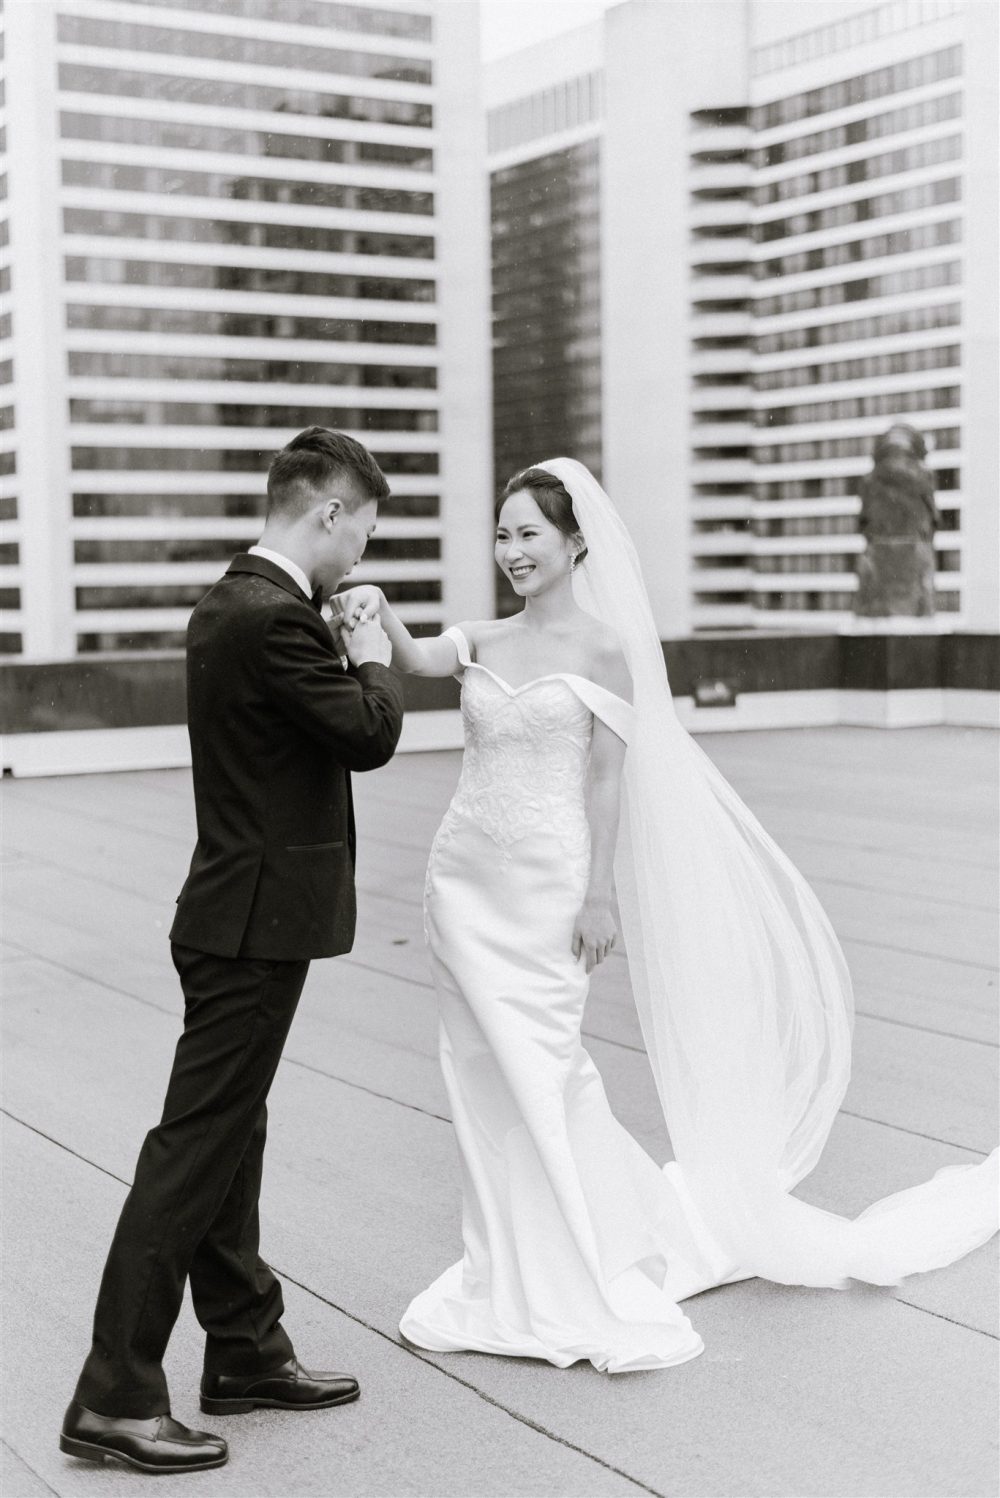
[(527, 750)]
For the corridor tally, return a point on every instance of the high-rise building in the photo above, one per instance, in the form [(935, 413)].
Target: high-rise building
[(797, 246), (229, 220)]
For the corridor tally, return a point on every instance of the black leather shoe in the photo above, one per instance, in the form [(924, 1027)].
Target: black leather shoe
[(157, 1445), (290, 1387)]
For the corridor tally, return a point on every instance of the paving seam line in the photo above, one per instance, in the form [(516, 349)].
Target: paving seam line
[(367, 1325), (25, 1463), (420, 983), (888, 946), (421, 1357), (887, 889), (142, 830), (85, 1160), (428, 1113), (940, 1316), (921, 858)]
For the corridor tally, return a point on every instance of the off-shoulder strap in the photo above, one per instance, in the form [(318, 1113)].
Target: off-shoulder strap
[(618, 714), (461, 644)]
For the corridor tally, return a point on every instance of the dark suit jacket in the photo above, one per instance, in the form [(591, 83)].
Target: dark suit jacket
[(276, 727)]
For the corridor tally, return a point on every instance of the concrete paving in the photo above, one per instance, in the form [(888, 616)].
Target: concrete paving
[(862, 1393)]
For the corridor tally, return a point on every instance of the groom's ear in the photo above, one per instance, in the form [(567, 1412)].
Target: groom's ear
[(330, 513)]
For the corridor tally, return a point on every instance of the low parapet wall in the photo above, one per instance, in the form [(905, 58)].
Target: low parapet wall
[(128, 711)]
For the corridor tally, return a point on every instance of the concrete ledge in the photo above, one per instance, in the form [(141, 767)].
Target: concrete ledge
[(165, 747), (127, 712), (92, 751)]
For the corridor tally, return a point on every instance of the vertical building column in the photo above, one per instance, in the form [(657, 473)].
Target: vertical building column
[(463, 261), (981, 389), (41, 416), (662, 62)]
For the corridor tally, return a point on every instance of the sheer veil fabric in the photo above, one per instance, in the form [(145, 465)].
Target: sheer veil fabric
[(743, 993)]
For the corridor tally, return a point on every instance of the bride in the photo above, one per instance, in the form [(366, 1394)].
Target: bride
[(576, 1244)]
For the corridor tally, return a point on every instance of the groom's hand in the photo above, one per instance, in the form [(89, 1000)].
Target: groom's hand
[(357, 604), (367, 641)]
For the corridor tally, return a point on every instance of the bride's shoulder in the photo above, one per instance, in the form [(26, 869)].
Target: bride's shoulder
[(607, 665), (478, 632)]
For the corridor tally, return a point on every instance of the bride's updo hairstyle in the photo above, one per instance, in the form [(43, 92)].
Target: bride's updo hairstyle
[(550, 495)]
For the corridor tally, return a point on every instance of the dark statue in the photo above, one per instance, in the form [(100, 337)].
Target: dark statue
[(898, 520)]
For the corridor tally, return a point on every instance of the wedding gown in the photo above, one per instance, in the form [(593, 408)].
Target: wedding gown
[(576, 1244)]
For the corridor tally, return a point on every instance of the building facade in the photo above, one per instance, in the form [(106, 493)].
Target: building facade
[(228, 222), (814, 258)]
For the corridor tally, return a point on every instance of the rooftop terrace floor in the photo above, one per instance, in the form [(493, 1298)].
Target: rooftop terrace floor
[(811, 1394)]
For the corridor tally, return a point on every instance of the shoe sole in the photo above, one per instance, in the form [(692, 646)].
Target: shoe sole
[(88, 1452), (244, 1406)]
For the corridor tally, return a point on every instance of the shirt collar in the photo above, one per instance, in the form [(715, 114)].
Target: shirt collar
[(292, 568)]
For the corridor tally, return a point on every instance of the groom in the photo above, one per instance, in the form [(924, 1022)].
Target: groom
[(277, 724)]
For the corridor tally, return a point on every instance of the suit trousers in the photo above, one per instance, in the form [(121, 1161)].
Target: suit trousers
[(192, 1212)]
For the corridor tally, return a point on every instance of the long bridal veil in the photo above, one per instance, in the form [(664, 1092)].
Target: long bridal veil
[(742, 990)]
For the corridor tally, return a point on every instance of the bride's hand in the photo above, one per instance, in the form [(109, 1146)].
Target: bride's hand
[(356, 605), (595, 933)]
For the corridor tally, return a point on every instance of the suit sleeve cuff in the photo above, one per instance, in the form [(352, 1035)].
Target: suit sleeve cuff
[(373, 673)]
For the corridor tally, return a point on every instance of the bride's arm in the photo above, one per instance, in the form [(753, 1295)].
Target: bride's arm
[(595, 932), (430, 657)]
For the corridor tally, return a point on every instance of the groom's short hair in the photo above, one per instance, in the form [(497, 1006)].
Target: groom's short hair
[(311, 460)]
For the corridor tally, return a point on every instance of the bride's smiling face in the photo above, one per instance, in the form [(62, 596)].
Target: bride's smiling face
[(530, 551)]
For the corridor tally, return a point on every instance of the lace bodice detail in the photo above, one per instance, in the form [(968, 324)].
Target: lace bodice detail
[(526, 758)]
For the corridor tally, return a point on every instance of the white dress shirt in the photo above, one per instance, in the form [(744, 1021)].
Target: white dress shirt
[(298, 576), (292, 568)]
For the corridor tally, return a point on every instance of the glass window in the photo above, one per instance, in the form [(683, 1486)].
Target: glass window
[(301, 238), (870, 366), (82, 31), (221, 548), (878, 247), (91, 506), (113, 271), (106, 364), (876, 127), (140, 596), (887, 403), (173, 180), (402, 23), (865, 169), (129, 640), (246, 324), (85, 78), (885, 325), (839, 487), (230, 414), (915, 72), (183, 135), (907, 200), (916, 278), (220, 460), (841, 447), (720, 119), (546, 307)]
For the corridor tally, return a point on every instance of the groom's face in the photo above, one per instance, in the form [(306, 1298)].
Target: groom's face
[(345, 534)]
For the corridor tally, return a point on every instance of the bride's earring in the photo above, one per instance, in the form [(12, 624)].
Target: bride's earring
[(574, 558)]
